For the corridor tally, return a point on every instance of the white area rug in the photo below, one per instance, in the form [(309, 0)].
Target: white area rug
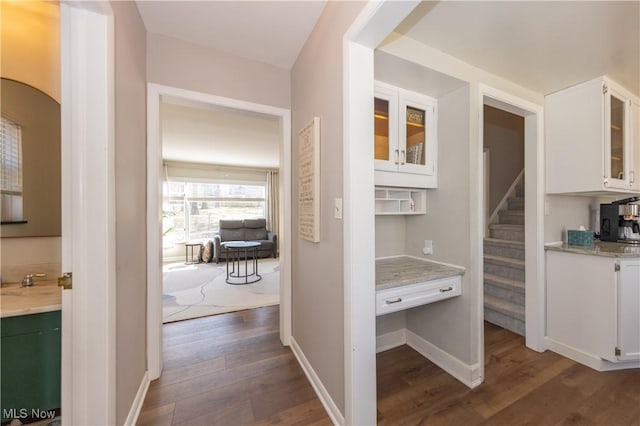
[(192, 291)]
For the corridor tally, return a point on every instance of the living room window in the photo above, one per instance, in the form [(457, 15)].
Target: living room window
[(192, 210)]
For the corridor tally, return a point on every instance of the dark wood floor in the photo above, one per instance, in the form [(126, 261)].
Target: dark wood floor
[(231, 369), (521, 387)]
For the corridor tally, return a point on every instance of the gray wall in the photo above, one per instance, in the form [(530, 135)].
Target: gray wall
[(504, 136), (130, 158), (180, 64), (317, 268), (448, 324), (390, 235)]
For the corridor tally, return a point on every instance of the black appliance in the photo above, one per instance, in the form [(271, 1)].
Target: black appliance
[(613, 221)]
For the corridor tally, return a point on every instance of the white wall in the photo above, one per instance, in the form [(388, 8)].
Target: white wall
[(176, 63), (318, 287), (21, 256)]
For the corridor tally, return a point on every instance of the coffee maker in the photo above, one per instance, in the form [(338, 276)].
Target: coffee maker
[(620, 221)]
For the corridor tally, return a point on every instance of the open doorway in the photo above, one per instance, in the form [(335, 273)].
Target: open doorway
[(157, 173), (220, 185), (504, 244)]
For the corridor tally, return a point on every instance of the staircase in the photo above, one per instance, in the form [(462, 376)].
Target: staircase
[(504, 273)]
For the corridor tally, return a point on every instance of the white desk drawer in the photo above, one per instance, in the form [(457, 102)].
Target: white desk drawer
[(409, 296)]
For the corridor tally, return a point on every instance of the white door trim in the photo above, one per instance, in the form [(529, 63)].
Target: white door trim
[(88, 213), (534, 209), (154, 214), (374, 23)]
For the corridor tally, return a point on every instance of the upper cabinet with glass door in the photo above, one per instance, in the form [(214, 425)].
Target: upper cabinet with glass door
[(592, 139), (405, 145)]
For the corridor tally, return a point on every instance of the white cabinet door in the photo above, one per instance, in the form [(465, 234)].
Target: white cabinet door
[(635, 146), (629, 310)]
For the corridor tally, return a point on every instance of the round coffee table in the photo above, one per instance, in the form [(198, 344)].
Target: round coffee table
[(236, 252)]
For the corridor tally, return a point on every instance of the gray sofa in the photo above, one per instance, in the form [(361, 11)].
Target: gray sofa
[(245, 230)]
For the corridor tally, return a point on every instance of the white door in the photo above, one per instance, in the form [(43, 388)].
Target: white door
[(88, 225)]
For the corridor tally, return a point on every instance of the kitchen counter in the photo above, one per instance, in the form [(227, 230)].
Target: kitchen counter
[(43, 296), (403, 270), (599, 248)]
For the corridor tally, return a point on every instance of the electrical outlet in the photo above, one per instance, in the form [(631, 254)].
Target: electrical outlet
[(428, 247)]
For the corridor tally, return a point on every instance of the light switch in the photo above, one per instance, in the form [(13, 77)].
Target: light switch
[(337, 210)]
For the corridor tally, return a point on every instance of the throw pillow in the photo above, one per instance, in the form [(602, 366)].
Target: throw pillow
[(207, 252)]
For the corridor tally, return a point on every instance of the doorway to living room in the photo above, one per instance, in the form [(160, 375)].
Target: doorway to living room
[(220, 185), (213, 163)]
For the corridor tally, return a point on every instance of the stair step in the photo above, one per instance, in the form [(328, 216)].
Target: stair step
[(504, 307), (505, 267), (520, 190), (516, 203), (504, 248), (511, 217), (509, 323), (507, 232), (505, 289)]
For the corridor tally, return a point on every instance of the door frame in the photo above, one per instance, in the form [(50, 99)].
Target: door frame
[(154, 212), (88, 338), (374, 23), (535, 293)]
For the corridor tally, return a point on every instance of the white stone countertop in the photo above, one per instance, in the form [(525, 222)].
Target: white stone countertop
[(404, 270), (43, 296), (599, 248)]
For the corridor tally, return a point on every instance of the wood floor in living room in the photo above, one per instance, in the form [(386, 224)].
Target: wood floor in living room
[(231, 369)]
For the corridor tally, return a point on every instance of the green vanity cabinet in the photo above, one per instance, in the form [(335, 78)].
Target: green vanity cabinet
[(30, 350)]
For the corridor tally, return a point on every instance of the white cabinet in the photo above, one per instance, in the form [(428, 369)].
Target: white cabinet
[(405, 144), (396, 201), (592, 139), (593, 309)]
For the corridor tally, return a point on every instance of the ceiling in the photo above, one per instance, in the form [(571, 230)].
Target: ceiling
[(272, 32), (195, 132), (544, 46)]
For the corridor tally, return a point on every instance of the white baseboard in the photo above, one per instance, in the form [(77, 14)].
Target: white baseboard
[(332, 409), (391, 340), (587, 359), (134, 412), (465, 373)]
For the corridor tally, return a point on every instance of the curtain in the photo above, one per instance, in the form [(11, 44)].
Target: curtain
[(273, 201)]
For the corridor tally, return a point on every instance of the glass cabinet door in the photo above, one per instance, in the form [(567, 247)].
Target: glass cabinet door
[(385, 134), (617, 142), (417, 135), (617, 139)]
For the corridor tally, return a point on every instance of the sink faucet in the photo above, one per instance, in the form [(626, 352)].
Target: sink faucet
[(27, 281)]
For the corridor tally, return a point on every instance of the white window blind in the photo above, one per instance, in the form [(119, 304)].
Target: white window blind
[(10, 158)]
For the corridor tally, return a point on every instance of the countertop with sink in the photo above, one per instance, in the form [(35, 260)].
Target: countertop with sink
[(43, 296), (599, 248)]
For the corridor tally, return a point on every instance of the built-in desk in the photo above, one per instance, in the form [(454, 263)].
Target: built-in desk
[(405, 282)]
